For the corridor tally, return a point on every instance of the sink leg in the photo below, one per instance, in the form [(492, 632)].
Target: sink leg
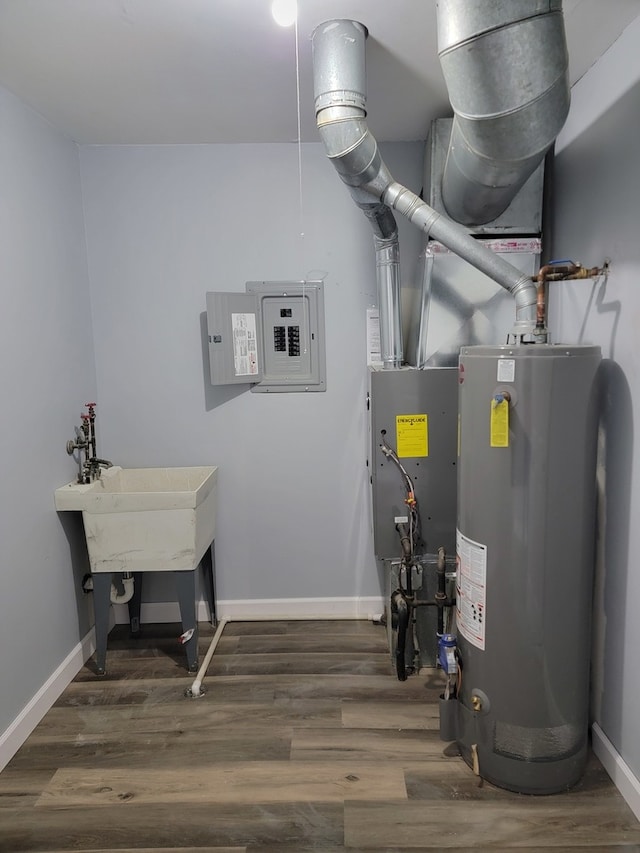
[(135, 603), (209, 572), (101, 605), (186, 588)]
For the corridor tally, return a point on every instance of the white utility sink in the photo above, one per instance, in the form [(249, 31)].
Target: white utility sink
[(145, 519)]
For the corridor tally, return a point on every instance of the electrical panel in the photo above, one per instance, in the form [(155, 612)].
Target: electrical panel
[(272, 336)]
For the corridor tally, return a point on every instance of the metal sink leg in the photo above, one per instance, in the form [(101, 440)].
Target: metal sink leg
[(186, 589)]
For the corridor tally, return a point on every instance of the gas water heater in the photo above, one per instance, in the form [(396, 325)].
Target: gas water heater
[(528, 418)]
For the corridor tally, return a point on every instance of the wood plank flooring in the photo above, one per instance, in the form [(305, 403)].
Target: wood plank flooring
[(305, 741)]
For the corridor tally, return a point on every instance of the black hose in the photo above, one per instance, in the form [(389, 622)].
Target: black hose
[(405, 540), (400, 606)]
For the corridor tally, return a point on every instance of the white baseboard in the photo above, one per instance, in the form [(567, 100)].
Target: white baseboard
[(12, 739), (159, 612), (617, 768), (300, 608), (262, 608)]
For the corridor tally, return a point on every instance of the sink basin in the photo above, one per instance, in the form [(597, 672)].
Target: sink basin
[(145, 519)]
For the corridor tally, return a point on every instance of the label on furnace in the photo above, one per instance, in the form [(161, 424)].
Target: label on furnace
[(412, 435), (471, 590)]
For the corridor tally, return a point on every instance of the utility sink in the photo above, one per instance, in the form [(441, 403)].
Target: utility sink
[(145, 519)]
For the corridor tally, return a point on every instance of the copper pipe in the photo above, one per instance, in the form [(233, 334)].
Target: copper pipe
[(540, 304), (550, 272), (584, 272), (559, 272)]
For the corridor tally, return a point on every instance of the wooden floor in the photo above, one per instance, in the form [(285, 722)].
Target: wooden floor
[(305, 741)]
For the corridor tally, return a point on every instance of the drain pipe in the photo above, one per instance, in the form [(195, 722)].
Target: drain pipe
[(340, 101), (196, 691), (120, 592), (505, 65), (127, 583)]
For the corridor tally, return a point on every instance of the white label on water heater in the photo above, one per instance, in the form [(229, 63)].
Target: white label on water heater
[(471, 590), (506, 370)]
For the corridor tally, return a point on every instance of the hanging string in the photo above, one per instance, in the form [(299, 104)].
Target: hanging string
[(305, 318), (299, 133)]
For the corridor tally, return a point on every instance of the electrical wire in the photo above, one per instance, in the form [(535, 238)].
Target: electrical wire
[(390, 453), (415, 531)]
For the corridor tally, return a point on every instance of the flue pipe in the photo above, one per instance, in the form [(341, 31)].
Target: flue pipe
[(505, 64), (340, 103), (340, 90)]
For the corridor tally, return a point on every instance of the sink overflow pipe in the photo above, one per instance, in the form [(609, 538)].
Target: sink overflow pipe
[(340, 105)]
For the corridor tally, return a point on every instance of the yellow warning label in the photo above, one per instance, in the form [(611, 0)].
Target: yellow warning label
[(412, 435), (499, 423)]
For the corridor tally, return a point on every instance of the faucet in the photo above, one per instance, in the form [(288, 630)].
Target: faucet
[(85, 442)]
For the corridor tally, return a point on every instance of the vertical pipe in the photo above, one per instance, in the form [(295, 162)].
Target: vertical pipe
[(340, 88), (388, 284)]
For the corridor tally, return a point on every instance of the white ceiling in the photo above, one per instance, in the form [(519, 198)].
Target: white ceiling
[(197, 71)]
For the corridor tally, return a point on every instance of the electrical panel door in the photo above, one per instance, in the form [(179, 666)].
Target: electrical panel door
[(234, 328)]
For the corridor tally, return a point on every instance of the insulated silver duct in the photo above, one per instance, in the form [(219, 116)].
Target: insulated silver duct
[(340, 100), (505, 64)]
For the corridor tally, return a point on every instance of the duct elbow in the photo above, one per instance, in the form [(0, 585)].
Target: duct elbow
[(339, 81), (354, 152)]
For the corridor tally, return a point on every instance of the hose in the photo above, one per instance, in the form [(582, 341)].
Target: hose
[(390, 453), (400, 606)]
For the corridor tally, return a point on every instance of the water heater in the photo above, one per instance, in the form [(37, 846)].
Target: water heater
[(525, 551)]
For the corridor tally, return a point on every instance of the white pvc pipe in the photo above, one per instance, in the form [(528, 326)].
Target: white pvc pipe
[(127, 595), (195, 689)]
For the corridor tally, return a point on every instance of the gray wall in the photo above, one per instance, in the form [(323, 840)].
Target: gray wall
[(166, 224), (46, 372), (597, 215)]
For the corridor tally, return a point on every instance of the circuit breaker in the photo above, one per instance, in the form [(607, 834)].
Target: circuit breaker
[(272, 336)]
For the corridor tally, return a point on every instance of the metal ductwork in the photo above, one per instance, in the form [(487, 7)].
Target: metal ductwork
[(340, 95), (340, 103), (505, 64)]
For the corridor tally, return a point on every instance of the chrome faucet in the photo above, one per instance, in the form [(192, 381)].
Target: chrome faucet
[(89, 465)]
